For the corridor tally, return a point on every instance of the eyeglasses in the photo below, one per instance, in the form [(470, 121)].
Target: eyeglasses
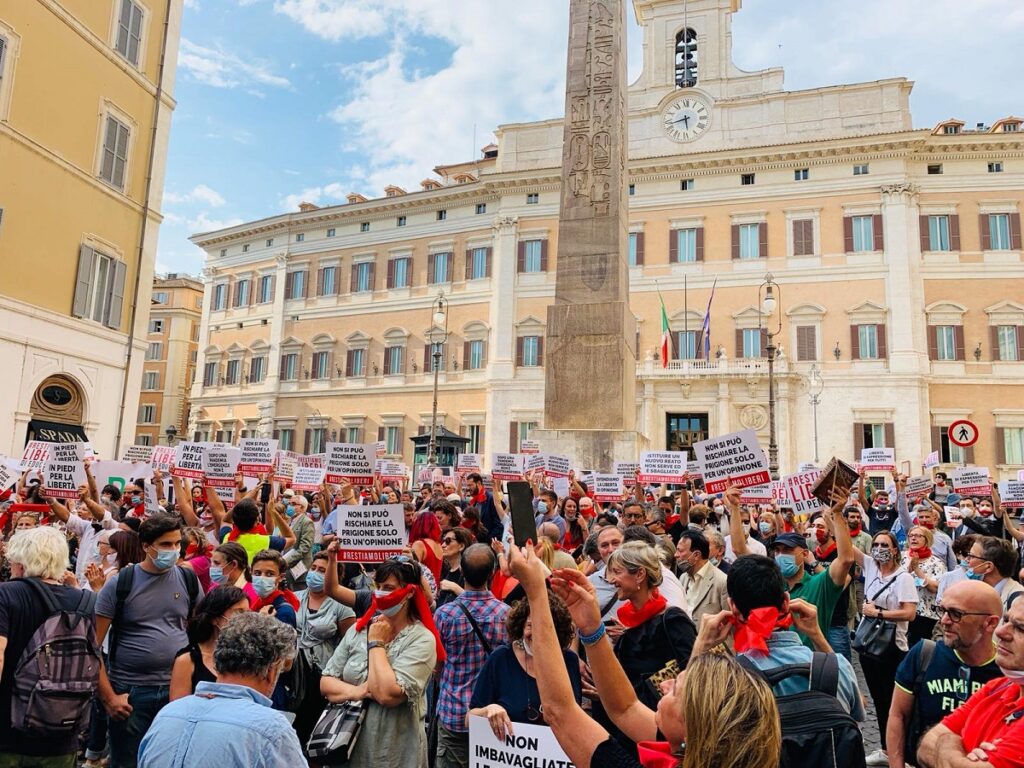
[(956, 615)]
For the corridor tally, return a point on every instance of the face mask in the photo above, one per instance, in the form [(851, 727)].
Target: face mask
[(315, 581), (974, 576), (880, 555), (765, 528), (787, 564), (165, 559), (542, 508), (217, 574), (264, 585), (393, 610), (290, 510)]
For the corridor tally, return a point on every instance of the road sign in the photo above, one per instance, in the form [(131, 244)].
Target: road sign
[(963, 433)]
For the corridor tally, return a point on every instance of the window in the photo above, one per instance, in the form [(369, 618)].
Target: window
[(160, 297), (1006, 341), (270, 241), (803, 237), (863, 233), (151, 380), (147, 414), (439, 268), (938, 233), (686, 185), (686, 58), (533, 198), (363, 274), (298, 285), (392, 439), (114, 158), (356, 364), (266, 289), (475, 358), (330, 233), (353, 435), (632, 189), (530, 351), (747, 179), (806, 343), (220, 293), (475, 433), (318, 440), (129, 31), (155, 351), (321, 366), (999, 231), (478, 265), (686, 244), (156, 326), (285, 439), (329, 281), (686, 345), (242, 293), (399, 273), (751, 342), (257, 369), (393, 364), (949, 452), (143, 440), (300, 237), (209, 374), (867, 342), (801, 174), (245, 248), (995, 167), (442, 215), (401, 221), (633, 242), (481, 208), (233, 373), (945, 342), (364, 226), (289, 366), (861, 170), (750, 241), (1013, 442), (532, 253), (935, 170)]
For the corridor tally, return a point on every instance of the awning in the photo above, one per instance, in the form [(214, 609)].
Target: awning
[(55, 432)]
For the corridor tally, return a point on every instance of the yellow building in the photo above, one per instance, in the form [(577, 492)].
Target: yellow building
[(85, 111), (170, 360), (897, 252)]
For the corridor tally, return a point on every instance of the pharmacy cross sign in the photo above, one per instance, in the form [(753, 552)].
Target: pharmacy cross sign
[(963, 433)]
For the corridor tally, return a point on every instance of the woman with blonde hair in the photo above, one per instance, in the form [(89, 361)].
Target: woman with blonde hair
[(731, 724)]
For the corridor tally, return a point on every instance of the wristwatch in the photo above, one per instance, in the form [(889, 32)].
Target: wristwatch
[(374, 644)]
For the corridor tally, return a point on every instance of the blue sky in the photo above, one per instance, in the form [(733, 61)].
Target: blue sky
[(288, 100)]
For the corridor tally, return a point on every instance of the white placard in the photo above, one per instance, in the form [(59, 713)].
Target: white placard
[(257, 455), (371, 533), (556, 466), (351, 462), (36, 454), (308, 478), (532, 746), (507, 466), (735, 459), (1011, 493), (800, 492), (188, 460), (662, 467), (918, 487), (65, 471), (529, 446), (627, 471), (162, 458), (971, 481), (138, 454), (468, 462), (931, 460), (607, 488), (391, 471), (878, 460)]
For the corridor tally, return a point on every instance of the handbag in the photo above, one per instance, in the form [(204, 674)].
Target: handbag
[(336, 732), (875, 636)]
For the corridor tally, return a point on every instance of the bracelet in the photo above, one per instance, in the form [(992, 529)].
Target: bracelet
[(591, 639)]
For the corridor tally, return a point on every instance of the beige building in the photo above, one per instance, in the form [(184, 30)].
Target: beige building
[(169, 368), (897, 252), (86, 94)]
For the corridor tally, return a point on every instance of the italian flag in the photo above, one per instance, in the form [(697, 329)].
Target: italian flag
[(664, 334)]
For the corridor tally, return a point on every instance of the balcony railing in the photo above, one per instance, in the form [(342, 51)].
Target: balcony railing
[(757, 366)]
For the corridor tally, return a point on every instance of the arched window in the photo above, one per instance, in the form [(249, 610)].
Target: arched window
[(686, 58)]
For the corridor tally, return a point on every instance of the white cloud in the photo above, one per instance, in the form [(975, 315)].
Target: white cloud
[(222, 69), (199, 194)]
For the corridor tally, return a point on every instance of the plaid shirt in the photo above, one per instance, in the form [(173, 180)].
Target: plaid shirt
[(466, 655)]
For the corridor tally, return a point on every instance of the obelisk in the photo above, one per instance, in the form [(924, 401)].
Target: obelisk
[(590, 374)]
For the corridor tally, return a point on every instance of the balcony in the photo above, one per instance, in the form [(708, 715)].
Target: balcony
[(698, 369)]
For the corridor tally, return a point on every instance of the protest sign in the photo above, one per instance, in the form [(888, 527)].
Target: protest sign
[(391, 471), (317, 460), (532, 746), (65, 471), (162, 458), (371, 533), (662, 467), (931, 460), (971, 481), (735, 459), (188, 460), (607, 488), (138, 454), (380, 448), (468, 462), (351, 462), (529, 446), (556, 466), (1011, 493), (507, 466), (308, 478), (800, 490), (627, 471), (837, 477), (257, 455), (918, 487), (878, 459), (36, 454)]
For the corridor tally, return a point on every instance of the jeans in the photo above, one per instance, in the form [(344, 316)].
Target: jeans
[(839, 639), (126, 735), (452, 748)]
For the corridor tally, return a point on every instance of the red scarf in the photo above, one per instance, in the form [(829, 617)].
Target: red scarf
[(822, 553), (657, 754), (256, 529), (288, 595), (394, 598), (752, 634), (630, 617), (921, 553)]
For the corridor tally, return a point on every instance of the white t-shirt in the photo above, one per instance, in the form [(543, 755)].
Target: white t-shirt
[(754, 546), (902, 590)]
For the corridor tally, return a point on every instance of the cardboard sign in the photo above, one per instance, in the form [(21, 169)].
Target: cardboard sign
[(971, 481), (878, 459), (162, 458), (607, 488), (662, 467), (507, 466), (391, 471), (138, 454), (370, 534), (756, 494), (918, 487), (800, 491), (257, 455), (468, 462), (1011, 493), (529, 446), (627, 471), (380, 448), (556, 466), (532, 746), (65, 471), (316, 460), (188, 460), (351, 462), (931, 460), (308, 478), (732, 459), (36, 455), (285, 462)]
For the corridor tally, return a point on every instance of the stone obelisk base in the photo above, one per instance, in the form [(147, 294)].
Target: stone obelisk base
[(591, 449)]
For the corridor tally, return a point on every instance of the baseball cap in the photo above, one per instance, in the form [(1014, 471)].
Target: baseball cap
[(790, 540)]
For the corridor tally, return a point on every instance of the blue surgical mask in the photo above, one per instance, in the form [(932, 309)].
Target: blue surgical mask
[(264, 585), (315, 581), (788, 565), (165, 559), (542, 507), (216, 574)]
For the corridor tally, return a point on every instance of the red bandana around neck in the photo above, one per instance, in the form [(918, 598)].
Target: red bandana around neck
[(288, 595), (257, 529), (656, 754), (752, 634), (921, 553), (394, 598), (631, 617), (822, 552)]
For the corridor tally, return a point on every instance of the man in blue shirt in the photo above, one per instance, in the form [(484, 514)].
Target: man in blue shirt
[(230, 723)]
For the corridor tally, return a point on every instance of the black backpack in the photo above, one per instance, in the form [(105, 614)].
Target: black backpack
[(816, 729)]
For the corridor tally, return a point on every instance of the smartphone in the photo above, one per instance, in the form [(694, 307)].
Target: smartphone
[(265, 493), (524, 524)]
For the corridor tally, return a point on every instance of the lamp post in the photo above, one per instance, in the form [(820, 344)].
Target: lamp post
[(171, 432), (769, 297), (439, 316), (814, 388)]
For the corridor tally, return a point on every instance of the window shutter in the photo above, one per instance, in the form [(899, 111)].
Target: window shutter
[(848, 234), (958, 342), (320, 282), (348, 363), (521, 257), (426, 357), (954, 232), (858, 440), (700, 244), (469, 264), (354, 285), (762, 236), (890, 435), (431, 259), (391, 274), (380, 433), (387, 360), (513, 437), (673, 246), (933, 343), (1000, 445), (855, 342), (544, 250), (923, 233), (879, 234), (465, 355), (307, 440), (117, 295), (639, 249), (986, 234), (883, 346), (519, 351), (1015, 231), (735, 241), (739, 343), (372, 281), (540, 350), (490, 253), (1020, 342), (83, 282)]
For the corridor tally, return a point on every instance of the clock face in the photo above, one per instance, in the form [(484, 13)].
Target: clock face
[(686, 119)]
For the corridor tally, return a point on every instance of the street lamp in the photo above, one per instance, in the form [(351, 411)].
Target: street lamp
[(769, 296), (814, 388), (171, 432), (437, 339)]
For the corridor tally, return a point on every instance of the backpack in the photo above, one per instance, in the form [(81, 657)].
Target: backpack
[(58, 671), (816, 730), (125, 579)]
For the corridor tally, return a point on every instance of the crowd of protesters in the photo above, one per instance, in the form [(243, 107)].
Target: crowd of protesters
[(671, 627)]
